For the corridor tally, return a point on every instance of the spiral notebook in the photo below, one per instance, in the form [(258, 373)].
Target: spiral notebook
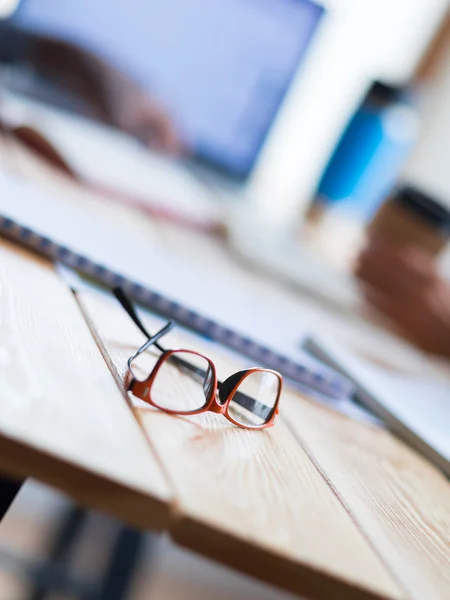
[(70, 233)]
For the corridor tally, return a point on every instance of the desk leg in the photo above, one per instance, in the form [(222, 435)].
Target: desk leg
[(9, 489), (123, 564), (51, 574)]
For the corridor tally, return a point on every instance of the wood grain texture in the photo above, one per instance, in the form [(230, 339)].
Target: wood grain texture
[(252, 500), (390, 494), (62, 418), (400, 501)]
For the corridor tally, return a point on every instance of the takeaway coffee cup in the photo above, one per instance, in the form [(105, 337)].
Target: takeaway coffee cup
[(410, 217)]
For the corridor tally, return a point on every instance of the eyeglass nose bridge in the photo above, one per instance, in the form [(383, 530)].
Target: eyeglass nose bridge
[(218, 408)]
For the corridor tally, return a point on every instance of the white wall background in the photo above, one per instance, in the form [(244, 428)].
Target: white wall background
[(429, 165), (360, 40)]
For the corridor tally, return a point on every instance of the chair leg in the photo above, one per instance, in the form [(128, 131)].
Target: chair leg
[(9, 489)]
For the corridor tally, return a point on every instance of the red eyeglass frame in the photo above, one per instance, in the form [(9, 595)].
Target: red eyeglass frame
[(220, 394), (142, 390)]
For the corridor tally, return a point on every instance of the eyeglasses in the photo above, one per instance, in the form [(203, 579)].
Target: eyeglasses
[(184, 382)]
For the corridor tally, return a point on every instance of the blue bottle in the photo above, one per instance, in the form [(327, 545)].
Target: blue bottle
[(367, 160)]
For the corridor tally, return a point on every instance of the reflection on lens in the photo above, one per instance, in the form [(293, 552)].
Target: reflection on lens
[(183, 383), (254, 401)]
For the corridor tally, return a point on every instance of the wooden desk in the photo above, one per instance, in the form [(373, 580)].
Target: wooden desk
[(319, 505)]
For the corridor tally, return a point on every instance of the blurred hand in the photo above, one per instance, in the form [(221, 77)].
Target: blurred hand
[(402, 283), (134, 112), (113, 96)]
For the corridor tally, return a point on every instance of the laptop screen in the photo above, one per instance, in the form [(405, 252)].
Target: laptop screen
[(220, 67)]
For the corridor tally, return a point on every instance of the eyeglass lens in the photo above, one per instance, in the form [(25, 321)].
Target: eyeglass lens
[(254, 401), (183, 383)]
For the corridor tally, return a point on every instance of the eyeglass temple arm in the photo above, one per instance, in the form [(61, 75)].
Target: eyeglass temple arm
[(153, 340), (128, 306)]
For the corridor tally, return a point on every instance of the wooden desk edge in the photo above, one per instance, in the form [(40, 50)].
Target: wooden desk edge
[(299, 578), (89, 489)]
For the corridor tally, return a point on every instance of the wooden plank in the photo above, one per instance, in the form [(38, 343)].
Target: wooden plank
[(62, 418), (252, 500), (400, 501)]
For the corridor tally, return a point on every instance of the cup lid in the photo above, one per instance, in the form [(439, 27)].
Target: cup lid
[(424, 206)]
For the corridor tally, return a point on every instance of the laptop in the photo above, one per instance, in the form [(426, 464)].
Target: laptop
[(240, 79), (220, 69)]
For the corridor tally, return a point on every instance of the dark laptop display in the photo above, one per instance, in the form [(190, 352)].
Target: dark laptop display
[(220, 67)]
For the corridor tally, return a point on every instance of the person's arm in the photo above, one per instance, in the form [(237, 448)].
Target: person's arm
[(403, 284), (115, 97)]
